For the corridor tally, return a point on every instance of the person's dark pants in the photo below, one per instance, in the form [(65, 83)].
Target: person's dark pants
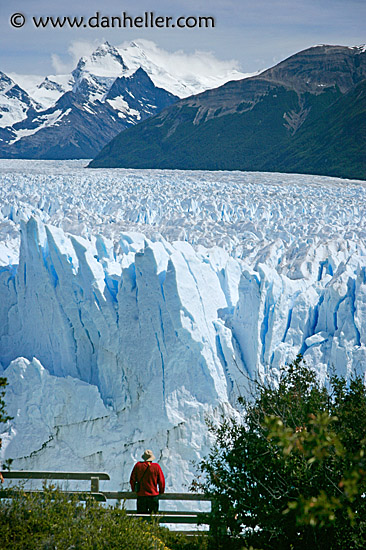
[(147, 505)]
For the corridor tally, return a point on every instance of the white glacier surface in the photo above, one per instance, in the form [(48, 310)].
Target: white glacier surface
[(134, 303)]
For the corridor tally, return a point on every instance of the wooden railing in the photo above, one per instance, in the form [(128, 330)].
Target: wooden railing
[(93, 477), (168, 516), (164, 516)]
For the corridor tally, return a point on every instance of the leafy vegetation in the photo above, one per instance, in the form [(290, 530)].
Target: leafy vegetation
[(3, 416), (51, 521), (292, 473), (332, 144)]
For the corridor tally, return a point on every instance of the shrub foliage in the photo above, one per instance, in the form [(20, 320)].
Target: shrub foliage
[(52, 521), (292, 472)]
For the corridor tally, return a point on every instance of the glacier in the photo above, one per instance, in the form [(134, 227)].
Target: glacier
[(137, 303)]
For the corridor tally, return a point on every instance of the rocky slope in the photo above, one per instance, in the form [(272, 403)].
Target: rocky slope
[(247, 124)]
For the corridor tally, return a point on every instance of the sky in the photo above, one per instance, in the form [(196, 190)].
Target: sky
[(250, 35)]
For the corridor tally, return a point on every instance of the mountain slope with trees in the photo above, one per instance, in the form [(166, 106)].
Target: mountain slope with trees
[(298, 116)]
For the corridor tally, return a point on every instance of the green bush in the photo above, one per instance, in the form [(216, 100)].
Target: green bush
[(178, 541), (3, 416), (53, 521), (292, 473)]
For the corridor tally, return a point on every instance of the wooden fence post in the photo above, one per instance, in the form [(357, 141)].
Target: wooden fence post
[(94, 484)]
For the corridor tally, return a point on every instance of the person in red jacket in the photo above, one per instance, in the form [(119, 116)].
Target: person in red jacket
[(147, 480)]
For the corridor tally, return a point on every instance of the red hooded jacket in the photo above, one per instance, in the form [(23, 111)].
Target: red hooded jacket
[(151, 476)]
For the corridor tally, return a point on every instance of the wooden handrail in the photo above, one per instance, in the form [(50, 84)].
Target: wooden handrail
[(128, 495), (165, 516), (27, 474), (81, 495), (93, 477), (171, 517)]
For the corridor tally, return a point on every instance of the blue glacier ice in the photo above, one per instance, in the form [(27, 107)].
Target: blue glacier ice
[(134, 304)]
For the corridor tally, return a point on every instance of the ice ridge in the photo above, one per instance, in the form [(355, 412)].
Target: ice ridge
[(115, 340)]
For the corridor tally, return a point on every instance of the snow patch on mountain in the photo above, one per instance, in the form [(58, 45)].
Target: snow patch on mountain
[(14, 102), (44, 121), (44, 90), (180, 73)]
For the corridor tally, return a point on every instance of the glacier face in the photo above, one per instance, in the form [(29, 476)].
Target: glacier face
[(134, 303)]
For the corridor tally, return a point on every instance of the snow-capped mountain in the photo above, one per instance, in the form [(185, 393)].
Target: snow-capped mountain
[(84, 118), (81, 122), (173, 73), (45, 91), (75, 115), (290, 118), (135, 303), (94, 75), (14, 102)]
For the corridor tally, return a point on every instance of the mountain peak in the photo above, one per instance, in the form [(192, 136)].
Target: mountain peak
[(106, 49), (105, 46), (320, 66), (5, 81), (49, 84), (105, 61)]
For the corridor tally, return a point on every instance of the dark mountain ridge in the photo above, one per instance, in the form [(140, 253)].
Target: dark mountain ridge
[(276, 121)]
